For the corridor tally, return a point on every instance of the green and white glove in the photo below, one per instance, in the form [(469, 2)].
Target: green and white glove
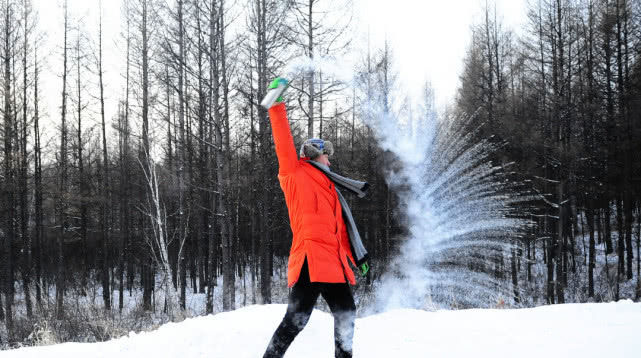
[(278, 81), (364, 269)]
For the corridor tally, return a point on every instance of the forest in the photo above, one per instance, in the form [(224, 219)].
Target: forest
[(114, 223)]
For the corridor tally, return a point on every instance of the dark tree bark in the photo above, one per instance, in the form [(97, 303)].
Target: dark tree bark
[(221, 124), (63, 190), (212, 244), (24, 200), (620, 235), (2, 317), (203, 161), (592, 251), (625, 232), (263, 125), (147, 266), (106, 190), (515, 278), (125, 212), (8, 211), (38, 194), (82, 177)]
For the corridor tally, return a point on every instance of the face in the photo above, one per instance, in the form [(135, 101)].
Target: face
[(323, 159)]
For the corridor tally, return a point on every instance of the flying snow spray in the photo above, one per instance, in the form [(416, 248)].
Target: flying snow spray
[(299, 66)]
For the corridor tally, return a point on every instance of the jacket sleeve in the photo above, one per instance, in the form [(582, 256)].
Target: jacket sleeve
[(283, 140)]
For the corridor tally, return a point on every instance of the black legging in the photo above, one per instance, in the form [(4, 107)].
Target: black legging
[(301, 304)]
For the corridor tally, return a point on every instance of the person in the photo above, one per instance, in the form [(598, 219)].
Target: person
[(321, 225)]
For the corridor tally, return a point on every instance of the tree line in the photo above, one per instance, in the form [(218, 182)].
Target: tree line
[(564, 97)]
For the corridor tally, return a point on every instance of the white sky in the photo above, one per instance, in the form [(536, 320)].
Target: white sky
[(429, 39)]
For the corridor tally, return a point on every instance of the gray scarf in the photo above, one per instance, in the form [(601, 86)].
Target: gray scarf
[(357, 187)]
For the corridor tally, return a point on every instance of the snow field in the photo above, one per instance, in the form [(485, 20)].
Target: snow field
[(571, 330)]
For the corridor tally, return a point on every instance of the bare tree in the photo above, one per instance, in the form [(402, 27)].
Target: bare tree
[(105, 179), (9, 188), (222, 150), (79, 58), (62, 180), (24, 168), (158, 240), (319, 28), (123, 152), (38, 192)]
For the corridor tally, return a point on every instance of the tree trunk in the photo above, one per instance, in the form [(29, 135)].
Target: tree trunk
[(106, 191), (620, 235), (310, 75), (609, 248), (638, 242), (62, 205), (1, 306), (212, 247), (38, 185), (125, 213), (24, 199), (550, 271), (230, 276), (182, 217), (87, 266), (8, 209), (265, 247), (145, 155), (203, 162), (592, 251), (515, 279), (530, 258), (625, 232)]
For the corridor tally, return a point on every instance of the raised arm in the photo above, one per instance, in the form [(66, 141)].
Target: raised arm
[(285, 149)]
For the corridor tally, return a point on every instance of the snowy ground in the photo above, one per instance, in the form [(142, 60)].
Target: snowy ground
[(571, 330)]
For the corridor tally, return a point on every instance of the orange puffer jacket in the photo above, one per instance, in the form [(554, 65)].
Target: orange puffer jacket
[(315, 213)]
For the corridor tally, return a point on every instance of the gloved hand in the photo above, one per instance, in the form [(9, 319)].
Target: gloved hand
[(275, 83), (364, 269)]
